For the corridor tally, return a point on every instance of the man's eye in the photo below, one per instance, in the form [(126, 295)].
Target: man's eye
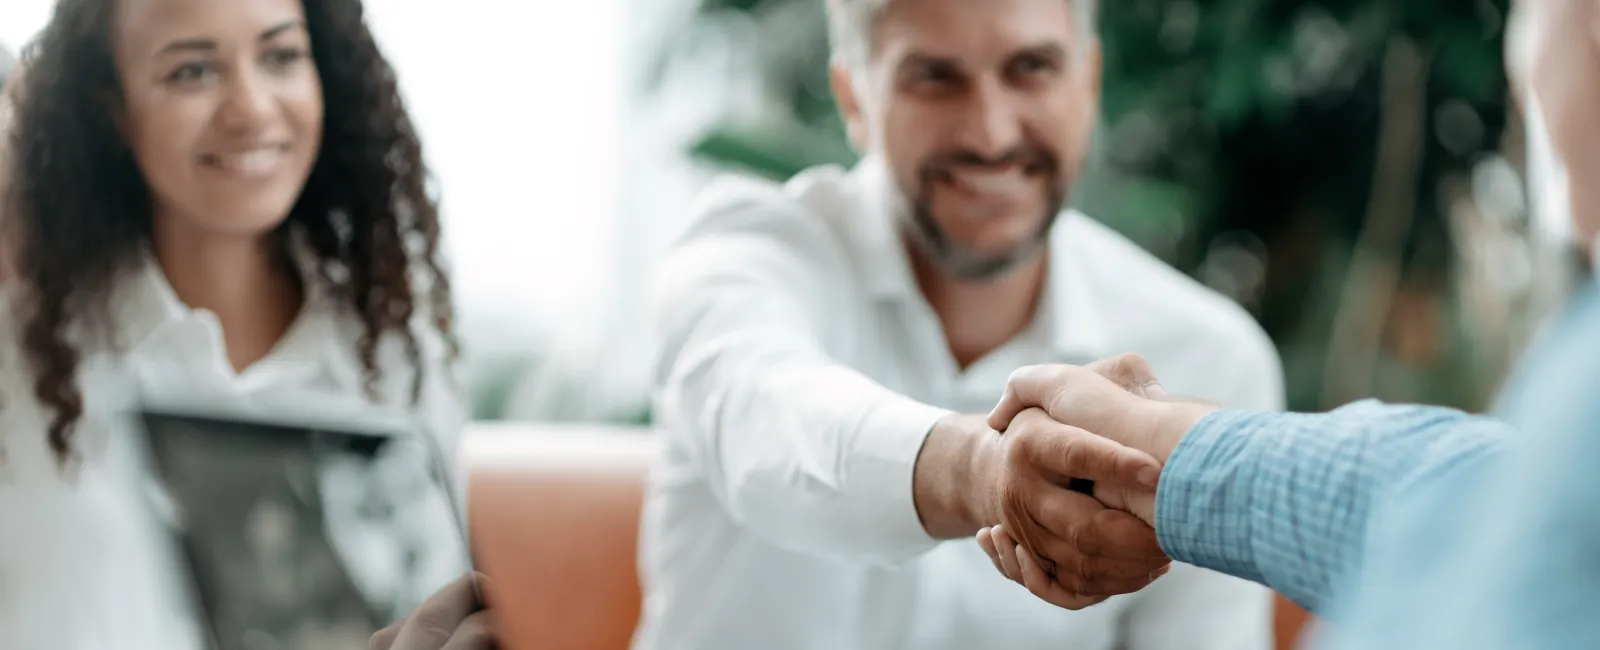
[(934, 76), (1033, 65)]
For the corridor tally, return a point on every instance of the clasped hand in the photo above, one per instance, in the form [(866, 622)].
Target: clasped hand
[(1110, 422)]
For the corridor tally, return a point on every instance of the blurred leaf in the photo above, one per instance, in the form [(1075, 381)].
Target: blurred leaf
[(773, 153)]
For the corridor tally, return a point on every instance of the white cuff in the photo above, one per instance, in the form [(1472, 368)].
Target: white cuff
[(884, 463)]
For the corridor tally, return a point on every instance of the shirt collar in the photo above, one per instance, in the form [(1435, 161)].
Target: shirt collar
[(1071, 305), (145, 304), (881, 248)]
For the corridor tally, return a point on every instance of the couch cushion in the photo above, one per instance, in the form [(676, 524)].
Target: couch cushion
[(554, 515)]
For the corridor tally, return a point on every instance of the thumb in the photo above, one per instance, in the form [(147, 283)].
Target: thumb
[(1132, 373), (1028, 387), (1069, 451)]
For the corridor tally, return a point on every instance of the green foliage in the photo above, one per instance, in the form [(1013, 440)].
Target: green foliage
[(1224, 115)]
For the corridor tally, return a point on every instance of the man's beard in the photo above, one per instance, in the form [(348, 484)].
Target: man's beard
[(966, 264)]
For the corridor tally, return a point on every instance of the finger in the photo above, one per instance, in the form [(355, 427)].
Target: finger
[(1072, 452), (1092, 575), (1089, 528), (1019, 526), (477, 632), (1097, 576), (385, 637), (1028, 387), (1040, 584), (1007, 548), (1131, 372), (432, 625), (986, 543)]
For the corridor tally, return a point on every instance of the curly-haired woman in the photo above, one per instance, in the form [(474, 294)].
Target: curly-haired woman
[(218, 203)]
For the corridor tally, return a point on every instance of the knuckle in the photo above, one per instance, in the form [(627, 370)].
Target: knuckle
[(1090, 542), (434, 636), (1091, 572), (1071, 449), (478, 633), (1021, 374), (1118, 370), (1012, 498), (1019, 445), (1073, 536), (1136, 365)]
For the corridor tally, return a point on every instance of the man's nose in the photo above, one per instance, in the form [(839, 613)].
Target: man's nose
[(992, 127)]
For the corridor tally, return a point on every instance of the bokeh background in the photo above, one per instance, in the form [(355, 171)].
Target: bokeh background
[(1348, 170)]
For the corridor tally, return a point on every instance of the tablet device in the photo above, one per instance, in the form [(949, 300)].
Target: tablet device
[(302, 535)]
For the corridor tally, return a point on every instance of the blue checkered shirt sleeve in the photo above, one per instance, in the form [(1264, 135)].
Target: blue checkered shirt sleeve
[(1286, 499)]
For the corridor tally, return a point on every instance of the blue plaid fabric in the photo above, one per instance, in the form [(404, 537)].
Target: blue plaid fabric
[(1413, 527), (1286, 499)]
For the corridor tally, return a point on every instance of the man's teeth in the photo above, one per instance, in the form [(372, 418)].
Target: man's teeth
[(997, 182)]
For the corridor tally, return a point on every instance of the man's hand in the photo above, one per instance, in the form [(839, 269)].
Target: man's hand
[(1119, 399), (452, 619), (1094, 552), (1012, 561)]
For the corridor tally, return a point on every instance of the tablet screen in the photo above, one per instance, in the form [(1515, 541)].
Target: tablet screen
[(300, 537)]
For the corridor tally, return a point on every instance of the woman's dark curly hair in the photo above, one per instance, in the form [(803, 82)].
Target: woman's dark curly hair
[(83, 209)]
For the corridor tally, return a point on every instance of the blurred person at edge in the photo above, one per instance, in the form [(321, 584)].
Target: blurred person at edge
[(218, 203), (831, 345), (10, 75), (1405, 526)]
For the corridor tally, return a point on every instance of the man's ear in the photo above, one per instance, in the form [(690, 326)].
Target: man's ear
[(1095, 63), (843, 83)]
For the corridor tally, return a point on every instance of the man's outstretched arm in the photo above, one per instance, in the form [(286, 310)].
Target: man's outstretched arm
[(814, 456)]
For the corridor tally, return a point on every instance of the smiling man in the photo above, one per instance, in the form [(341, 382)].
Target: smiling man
[(829, 346)]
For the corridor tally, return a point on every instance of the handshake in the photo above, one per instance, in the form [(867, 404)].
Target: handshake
[(1064, 478)]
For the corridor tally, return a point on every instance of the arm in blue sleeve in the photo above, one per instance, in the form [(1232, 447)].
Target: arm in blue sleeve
[(1508, 557), (1287, 499)]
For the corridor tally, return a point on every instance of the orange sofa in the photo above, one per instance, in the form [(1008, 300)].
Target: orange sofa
[(554, 512)]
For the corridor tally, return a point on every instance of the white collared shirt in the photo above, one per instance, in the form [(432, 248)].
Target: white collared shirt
[(800, 371), (84, 563)]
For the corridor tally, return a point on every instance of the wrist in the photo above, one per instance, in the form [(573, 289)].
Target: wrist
[(1171, 422), (949, 478)]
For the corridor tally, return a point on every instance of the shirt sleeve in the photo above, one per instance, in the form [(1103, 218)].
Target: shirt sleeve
[(1287, 500), (799, 449), (1507, 556)]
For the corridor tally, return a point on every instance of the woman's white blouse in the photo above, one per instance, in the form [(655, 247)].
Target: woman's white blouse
[(84, 565)]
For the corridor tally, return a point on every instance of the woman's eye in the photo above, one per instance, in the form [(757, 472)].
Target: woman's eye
[(190, 72), (283, 58)]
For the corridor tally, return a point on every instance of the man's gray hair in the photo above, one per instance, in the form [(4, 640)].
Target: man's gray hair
[(850, 24)]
